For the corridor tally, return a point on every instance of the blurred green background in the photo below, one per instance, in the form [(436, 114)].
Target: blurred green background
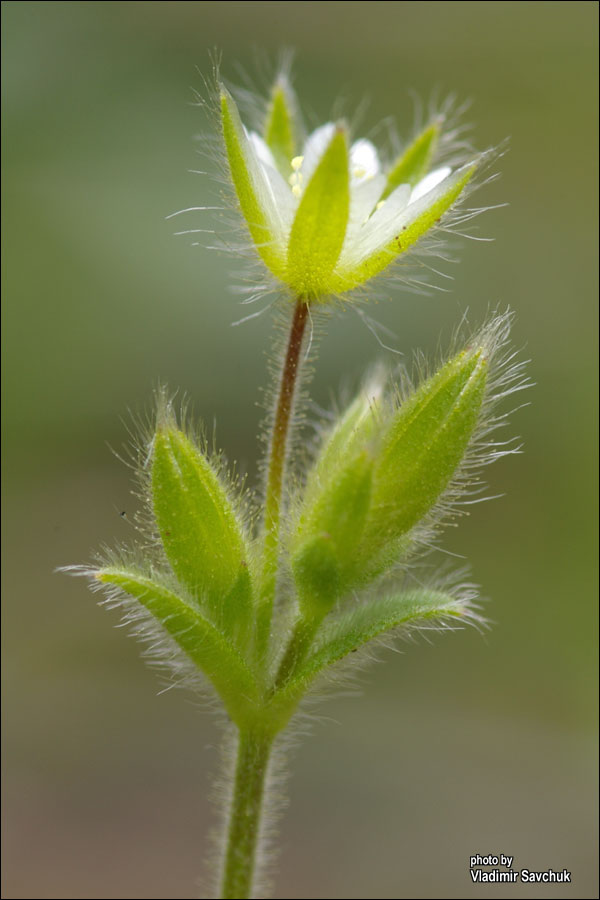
[(468, 745)]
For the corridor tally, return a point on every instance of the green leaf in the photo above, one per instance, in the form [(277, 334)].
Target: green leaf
[(280, 132), (253, 192), (423, 607), (414, 163), (424, 217), (201, 641), (319, 227), (199, 530)]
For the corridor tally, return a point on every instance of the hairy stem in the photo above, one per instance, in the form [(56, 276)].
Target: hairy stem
[(243, 831), (299, 645), (276, 470)]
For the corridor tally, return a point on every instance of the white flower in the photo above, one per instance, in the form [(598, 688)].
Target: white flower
[(325, 217)]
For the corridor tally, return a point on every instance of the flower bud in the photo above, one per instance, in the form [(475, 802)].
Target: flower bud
[(336, 505), (382, 474), (324, 563), (198, 527), (422, 448)]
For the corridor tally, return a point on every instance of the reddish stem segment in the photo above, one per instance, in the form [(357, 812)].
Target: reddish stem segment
[(285, 403), (277, 461)]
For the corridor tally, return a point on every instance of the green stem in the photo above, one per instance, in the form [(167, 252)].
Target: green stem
[(299, 645), (253, 754), (277, 460)]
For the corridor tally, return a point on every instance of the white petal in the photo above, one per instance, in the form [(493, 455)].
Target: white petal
[(314, 148), (262, 149), (363, 200), (364, 196), (267, 192), (283, 197), (379, 230), (429, 182), (364, 162), (395, 215)]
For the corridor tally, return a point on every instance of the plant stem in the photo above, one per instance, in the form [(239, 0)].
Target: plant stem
[(277, 461), (253, 754), (298, 647)]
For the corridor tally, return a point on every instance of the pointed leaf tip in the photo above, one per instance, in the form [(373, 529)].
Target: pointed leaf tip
[(208, 648)]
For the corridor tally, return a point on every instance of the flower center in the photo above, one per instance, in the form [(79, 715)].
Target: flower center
[(296, 178)]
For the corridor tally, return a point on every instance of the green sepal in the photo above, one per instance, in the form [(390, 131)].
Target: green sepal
[(281, 131), (414, 163), (354, 628), (320, 223), (324, 565), (353, 276), (210, 650), (199, 530), (250, 188), (353, 430), (423, 447)]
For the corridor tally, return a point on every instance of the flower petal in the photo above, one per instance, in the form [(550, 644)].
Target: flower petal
[(285, 202), (283, 198), (429, 182), (364, 240), (363, 199), (364, 161), (261, 148), (386, 235)]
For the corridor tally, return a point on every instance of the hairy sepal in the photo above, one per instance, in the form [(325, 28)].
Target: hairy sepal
[(414, 163), (254, 193), (320, 223), (324, 564), (281, 127), (200, 532)]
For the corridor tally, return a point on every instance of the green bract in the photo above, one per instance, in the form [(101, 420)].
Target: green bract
[(328, 217)]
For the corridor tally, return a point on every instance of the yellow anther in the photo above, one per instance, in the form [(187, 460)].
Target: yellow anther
[(359, 172), (380, 204), (296, 190), (297, 162)]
